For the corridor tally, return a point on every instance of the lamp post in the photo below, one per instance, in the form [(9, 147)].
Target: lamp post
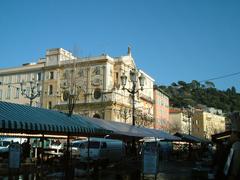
[(190, 112), (134, 79), (34, 91)]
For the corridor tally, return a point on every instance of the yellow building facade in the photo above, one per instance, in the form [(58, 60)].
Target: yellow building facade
[(11, 79), (205, 124), (179, 121), (97, 86)]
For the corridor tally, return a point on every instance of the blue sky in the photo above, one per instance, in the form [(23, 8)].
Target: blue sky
[(171, 40)]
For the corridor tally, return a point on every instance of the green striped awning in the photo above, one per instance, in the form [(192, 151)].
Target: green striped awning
[(26, 119)]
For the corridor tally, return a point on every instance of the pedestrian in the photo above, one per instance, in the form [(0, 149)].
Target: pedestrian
[(220, 158), (232, 165), (26, 148)]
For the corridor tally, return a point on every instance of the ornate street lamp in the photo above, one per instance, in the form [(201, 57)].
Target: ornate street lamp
[(34, 91), (133, 79)]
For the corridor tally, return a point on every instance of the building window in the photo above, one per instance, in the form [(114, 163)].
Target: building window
[(65, 95), (14, 80), (18, 78), (97, 116), (97, 93), (51, 75), (28, 77), (0, 94), (8, 93), (50, 90), (1, 80), (17, 93), (9, 79), (5, 80), (81, 73), (50, 105), (96, 71), (39, 78), (117, 77), (28, 91)]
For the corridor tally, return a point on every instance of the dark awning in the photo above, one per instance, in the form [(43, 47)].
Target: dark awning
[(123, 129), (26, 119), (191, 138), (223, 136)]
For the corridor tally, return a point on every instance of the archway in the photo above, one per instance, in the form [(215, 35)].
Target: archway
[(97, 116)]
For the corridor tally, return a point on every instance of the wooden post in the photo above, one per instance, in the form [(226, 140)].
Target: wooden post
[(42, 152), (67, 160), (88, 158)]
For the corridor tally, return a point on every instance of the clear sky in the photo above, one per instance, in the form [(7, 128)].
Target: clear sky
[(171, 40)]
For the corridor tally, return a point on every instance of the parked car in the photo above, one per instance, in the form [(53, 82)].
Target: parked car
[(4, 145), (55, 147), (51, 147), (100, 149), (5, 142)]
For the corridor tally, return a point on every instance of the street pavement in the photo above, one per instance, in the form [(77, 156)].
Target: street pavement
[(130, 169), (173, 170), (168, 170)]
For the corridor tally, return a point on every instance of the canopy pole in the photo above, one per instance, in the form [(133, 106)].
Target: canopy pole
[(88, 157), (157, 159), (42, 151), (67, 159)]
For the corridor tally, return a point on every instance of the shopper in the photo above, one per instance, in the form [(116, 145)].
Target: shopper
[(232, 165)]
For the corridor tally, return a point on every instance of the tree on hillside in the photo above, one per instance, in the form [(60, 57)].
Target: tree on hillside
[(174, 84), (182, 83), (206, 94), (233, 90), (195, 84), (209, 84)]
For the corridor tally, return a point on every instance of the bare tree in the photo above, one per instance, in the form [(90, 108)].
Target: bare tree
[(144, 119), (175, 126), (70, 88)]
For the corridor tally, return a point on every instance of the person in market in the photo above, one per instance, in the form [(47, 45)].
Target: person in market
[(232, 165)]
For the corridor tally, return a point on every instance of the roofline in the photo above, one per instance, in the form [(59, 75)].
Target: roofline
[(18, 69), (155, 87), (145, 74)]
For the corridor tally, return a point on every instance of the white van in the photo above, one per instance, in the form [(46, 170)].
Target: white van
[(100, 149), (55, 147)]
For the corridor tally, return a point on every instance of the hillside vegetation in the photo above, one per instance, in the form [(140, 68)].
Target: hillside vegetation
[(183, 94)]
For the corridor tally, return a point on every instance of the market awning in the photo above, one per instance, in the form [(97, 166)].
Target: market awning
[(161, 134), (191, 138), (123, 129), (223, 136), (26, 119)]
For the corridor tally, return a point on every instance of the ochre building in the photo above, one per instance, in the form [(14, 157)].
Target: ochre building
[(94, 81)]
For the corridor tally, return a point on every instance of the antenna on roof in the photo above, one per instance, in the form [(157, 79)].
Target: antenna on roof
[(129, 51)]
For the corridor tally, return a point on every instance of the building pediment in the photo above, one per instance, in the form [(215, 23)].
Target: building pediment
[(128, 60)]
